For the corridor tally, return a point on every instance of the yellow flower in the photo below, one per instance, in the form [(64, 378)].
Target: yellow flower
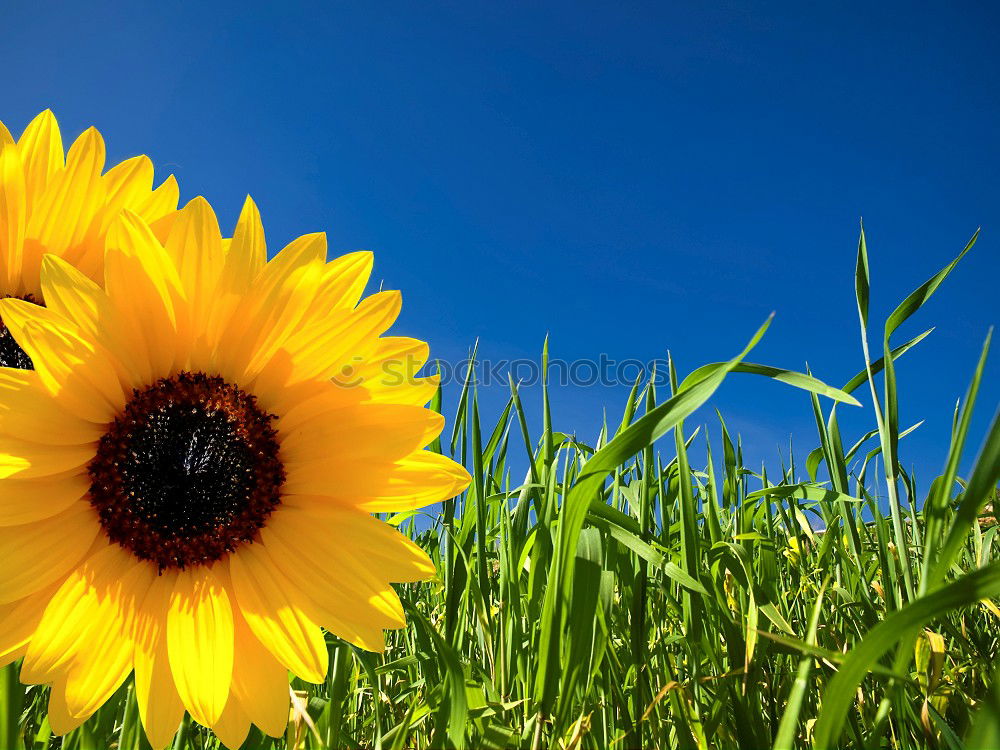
[(184, 490), (51, 202), (793, 551)]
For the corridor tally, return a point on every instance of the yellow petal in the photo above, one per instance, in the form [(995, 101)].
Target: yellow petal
[(60, 219), (341, 607), (283, 315), (245, 257), (413, 352), (341, 340), (344, 281), (309, 249), (71, 294), (233, 725), (23, 460), (390, 375), (89, 621), (131, 236), (248, 252), (28, 500), (129, 186), (41, 148), (70, 366), (37, 554), (126, 184), (105, 655), (275, 615), (144, 298), (195, 247), (159, 206), (305, 401), (200, 642), (28, 412), (413, 482), (13, 220), (358, 599), (387, 553), (297, 292), (160, 706), (18, 621), (363, 434), (61, 721), (260, 683), (251, 324)]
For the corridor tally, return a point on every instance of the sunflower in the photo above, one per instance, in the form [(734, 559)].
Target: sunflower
[(188, 474), (55, 202)]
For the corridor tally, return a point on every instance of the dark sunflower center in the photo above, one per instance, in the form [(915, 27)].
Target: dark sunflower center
[(188, 472), (11, 353)]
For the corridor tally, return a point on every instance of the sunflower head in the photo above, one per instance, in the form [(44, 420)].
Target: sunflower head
[(208, 477), (188, 472), (63, 203)]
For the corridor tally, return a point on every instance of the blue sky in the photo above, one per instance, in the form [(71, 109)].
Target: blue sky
[(626, 178)]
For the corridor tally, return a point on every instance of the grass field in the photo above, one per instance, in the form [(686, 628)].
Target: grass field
[(626, 594)]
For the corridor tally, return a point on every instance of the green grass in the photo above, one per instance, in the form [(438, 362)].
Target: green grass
[(650, 590)]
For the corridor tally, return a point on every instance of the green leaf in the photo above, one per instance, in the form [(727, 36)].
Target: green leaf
[(841, 692)]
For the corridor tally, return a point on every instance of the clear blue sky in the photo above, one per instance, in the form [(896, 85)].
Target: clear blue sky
[(627, 178)]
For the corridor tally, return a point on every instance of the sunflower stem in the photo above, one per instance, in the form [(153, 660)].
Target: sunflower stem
[(181, 739), (11, 703)]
